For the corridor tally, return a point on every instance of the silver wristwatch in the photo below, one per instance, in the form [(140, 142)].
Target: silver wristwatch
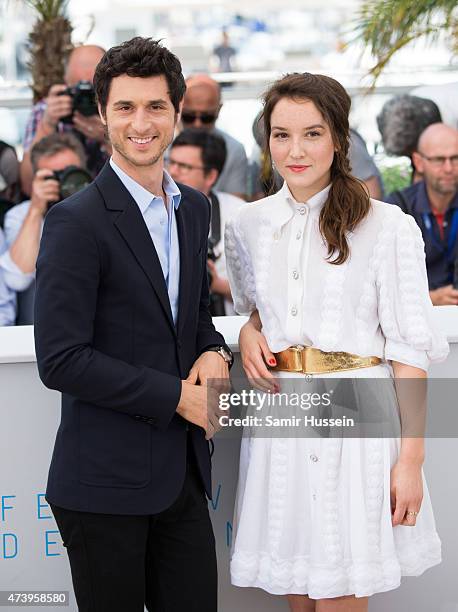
[(225, 353)]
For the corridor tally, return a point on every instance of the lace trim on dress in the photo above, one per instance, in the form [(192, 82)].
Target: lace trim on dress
[(239, 267), (360, 578)]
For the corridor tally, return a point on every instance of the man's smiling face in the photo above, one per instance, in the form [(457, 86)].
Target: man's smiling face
[(140, 120)]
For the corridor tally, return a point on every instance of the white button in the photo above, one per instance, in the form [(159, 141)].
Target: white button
[(302, 210), (295, 274), (298, 235), (313, 458), (294, 311), (276, 236), (162, 221), (314, 496)]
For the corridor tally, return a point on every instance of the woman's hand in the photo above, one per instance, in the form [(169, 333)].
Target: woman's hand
[(406, 490), (406, 478), (255, 355)]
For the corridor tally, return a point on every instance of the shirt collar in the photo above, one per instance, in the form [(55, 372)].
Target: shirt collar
[(142, 196), (285, 205)]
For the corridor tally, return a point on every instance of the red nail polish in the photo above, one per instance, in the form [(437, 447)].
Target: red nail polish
[(272, 362)]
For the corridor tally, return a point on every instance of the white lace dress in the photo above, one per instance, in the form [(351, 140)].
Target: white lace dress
[(313, 515)]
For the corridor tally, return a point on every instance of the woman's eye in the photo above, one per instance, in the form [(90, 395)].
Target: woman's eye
[(280, 135), (313, 134)]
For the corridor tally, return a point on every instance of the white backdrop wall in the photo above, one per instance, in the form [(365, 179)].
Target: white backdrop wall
[(31, 553)]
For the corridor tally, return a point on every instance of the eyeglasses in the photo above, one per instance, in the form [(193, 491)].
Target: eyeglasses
[(440, 160), (191, 116), (182, 166)]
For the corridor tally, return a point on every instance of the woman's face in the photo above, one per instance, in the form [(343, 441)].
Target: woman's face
[(301, 147)]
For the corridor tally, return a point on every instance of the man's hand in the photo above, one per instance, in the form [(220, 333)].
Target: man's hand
[(44, 191), (210, 368), (91, 127), (200, 405), (444, 296), (57, 106)]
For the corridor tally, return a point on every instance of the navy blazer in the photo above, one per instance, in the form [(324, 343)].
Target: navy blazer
[(105, 338)]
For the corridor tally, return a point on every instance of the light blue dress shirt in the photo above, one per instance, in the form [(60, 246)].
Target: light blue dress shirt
[(162, 226), (7, 297)]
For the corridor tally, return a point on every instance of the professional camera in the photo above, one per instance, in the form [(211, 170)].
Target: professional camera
[(71, 180), (83, 100)]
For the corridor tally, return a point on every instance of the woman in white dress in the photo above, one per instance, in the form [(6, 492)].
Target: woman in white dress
[(328, 522)]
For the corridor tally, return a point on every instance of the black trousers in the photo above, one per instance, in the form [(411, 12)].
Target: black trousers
[(165, 561)]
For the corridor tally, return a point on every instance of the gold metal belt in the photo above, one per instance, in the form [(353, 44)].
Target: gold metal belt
[(310, 360)]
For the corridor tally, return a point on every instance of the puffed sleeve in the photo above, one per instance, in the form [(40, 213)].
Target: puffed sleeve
[(404, 306), (239, 268)]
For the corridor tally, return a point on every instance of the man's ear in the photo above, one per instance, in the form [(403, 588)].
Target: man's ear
[(418, 163), (102, 114), (211, 177), (178, 114)]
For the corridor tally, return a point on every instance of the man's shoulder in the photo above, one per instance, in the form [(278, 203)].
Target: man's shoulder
[(81, 204), (406, 196)]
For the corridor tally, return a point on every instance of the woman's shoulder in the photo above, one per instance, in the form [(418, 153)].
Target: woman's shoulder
[(384, 215), (385, 210), (248, 215), (387, 223)]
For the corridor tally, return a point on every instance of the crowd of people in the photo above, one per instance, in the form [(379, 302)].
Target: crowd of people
[(65, 130)]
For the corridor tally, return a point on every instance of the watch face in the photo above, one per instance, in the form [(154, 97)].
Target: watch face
[(226, 356)]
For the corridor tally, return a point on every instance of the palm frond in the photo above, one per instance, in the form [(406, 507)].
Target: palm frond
[(48, 9), (386, 26)]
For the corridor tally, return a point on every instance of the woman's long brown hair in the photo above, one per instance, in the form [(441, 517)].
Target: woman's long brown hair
[(348, 201)]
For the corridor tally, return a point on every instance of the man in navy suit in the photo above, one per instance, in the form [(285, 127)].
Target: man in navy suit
[(122, 329)]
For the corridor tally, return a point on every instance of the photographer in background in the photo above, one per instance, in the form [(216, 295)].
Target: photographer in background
[(59, 156), (196, 158), (70, 107), (433, 203)]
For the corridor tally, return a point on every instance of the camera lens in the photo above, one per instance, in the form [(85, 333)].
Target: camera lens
[(73, 180)]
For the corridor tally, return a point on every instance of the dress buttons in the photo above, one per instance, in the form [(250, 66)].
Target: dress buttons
[(295, 274), (294, 311), (276, 236), (313, 458), (302, 210), (299, 235)]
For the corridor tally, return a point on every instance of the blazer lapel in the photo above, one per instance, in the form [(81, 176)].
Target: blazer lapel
[(132, 227), (184, 227)]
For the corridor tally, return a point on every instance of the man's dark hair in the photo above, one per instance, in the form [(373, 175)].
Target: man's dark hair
[(53, 144), (212, 147), (139, 57)]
